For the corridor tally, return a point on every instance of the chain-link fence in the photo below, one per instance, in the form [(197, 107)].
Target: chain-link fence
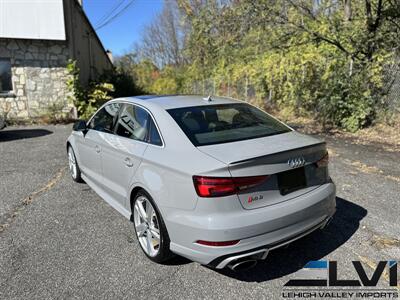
[(256, 93), (243, 89)]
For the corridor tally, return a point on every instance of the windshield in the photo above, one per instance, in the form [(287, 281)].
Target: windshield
[(216, 124)]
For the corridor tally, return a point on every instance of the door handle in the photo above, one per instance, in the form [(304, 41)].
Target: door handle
[(97, 148), (128, 162)]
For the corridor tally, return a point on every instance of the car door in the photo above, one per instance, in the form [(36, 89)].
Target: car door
[(123, 152), (100, 128)]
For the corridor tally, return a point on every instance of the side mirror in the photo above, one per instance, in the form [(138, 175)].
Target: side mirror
[(80, 125)]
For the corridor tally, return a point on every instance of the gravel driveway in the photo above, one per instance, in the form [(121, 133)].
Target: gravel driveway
[(58, 239)]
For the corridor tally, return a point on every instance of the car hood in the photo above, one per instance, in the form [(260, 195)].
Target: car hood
[(249, 149)]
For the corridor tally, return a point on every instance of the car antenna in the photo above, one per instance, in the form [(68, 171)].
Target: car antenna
[(208, 99)]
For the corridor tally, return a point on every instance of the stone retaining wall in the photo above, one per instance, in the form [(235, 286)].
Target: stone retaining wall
[(39, 78)]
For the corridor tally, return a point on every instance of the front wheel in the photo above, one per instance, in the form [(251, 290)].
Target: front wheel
[(150, 229), (73, 166)]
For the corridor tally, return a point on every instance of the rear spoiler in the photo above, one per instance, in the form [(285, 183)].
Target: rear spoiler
[(276, 157)]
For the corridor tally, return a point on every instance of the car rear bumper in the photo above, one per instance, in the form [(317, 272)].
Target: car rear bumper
[(262, 252), (258, 229)]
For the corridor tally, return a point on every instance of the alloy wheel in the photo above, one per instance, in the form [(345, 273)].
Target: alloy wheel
[(72, 163), (147, 226)]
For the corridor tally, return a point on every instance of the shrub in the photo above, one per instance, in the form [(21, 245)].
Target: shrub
[(86, 101), (124, 83)]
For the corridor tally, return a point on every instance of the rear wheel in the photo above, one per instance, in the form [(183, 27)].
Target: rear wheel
[(150, 229), (73, 166)]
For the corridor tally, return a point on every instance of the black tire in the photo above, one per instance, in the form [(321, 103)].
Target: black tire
[(77, 177), (164, 252)]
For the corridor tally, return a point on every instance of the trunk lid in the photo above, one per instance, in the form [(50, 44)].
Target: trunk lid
[(288, 158)]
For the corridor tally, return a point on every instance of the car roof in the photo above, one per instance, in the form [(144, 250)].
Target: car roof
[(177, 101)]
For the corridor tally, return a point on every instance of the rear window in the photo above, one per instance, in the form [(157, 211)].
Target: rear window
[(216, 124)]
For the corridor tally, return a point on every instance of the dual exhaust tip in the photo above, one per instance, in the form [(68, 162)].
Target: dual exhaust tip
[(242, 262), (241, 265)]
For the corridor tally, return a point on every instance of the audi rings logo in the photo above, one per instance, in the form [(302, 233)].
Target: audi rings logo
[(296, 162)]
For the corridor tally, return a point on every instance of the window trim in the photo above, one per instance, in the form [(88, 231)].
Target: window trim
[(135, 104)]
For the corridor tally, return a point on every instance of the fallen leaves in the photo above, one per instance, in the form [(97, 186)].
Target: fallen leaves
[(384, 242), (364, 168), (28, 200), (373, 266), (45, 188)]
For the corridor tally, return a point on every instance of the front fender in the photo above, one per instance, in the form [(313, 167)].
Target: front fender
[(72, 141)]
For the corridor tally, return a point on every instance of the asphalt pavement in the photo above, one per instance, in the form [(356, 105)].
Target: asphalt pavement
[(59, 240)]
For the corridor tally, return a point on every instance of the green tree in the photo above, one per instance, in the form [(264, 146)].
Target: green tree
[(319, 58)]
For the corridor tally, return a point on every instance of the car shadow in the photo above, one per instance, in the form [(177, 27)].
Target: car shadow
[(19, 134), (284, 261), (177, 261)]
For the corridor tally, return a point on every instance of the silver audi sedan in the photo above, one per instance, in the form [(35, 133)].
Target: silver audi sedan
[(214, 179)]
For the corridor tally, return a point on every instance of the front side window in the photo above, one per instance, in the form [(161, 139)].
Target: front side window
[(5, 76), (133, 123), (224, 123), (105, 118)]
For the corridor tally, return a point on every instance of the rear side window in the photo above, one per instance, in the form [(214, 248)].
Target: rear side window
[(154, 136), (133, 123), (216, 124), (105, 118)]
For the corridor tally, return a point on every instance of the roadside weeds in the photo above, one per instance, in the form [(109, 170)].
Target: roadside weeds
[(384, 136)]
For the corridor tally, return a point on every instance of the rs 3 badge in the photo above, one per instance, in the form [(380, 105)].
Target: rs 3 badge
[(254, 198)]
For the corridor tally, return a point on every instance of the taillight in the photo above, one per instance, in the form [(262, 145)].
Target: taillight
[(323, 162), (217, 244), (224, 186)]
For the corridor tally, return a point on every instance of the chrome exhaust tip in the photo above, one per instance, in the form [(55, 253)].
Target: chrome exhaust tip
[(250, 259), (242, 264)]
